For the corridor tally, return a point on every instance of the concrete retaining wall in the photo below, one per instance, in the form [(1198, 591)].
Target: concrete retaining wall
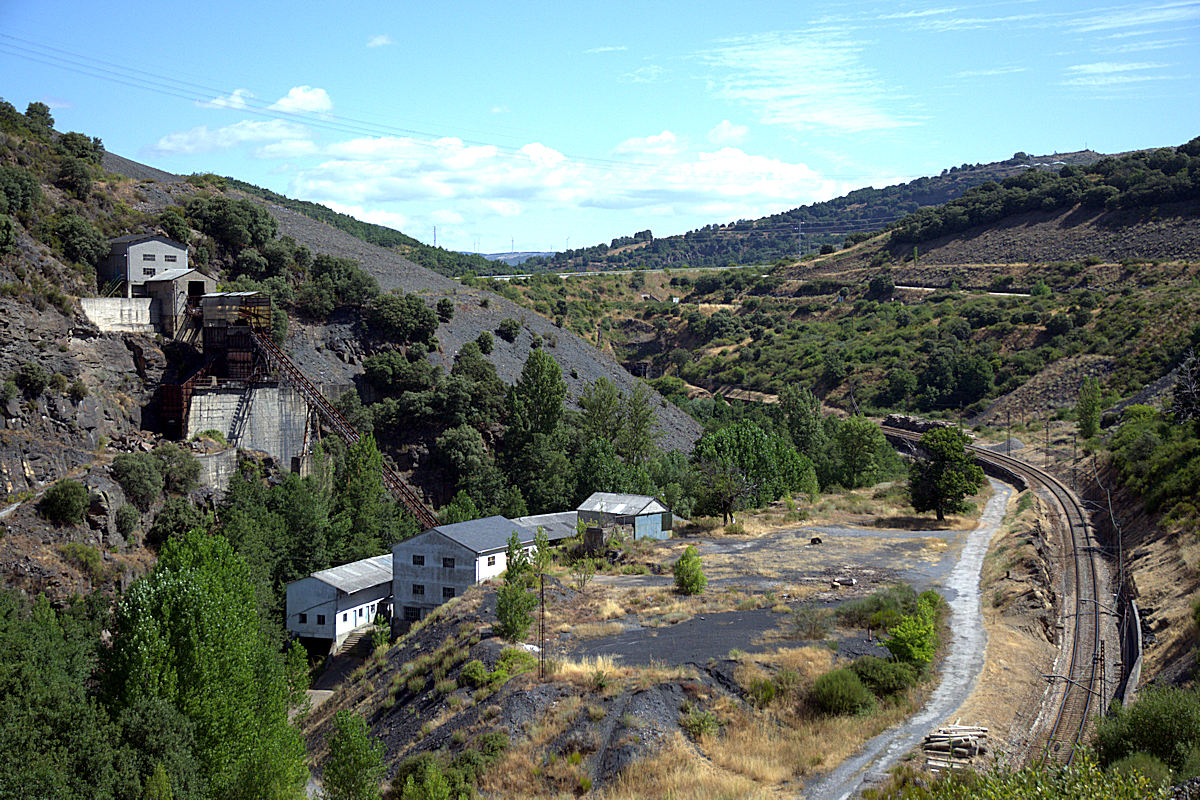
[(274, 422), (217, 468), (119, 314)]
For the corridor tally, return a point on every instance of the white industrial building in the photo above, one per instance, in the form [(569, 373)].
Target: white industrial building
[(443, 562), (332, 603)]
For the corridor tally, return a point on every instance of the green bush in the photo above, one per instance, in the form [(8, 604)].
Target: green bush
[(31, 378), (128, 518), (508, 329), (689, 573), (86, 558), (1083, 780), (176, 517), (698, 723), (475, 673), (65, 502), (80, 240), (140, 477), (1164, 722), (485, 342), (762, 691), (841, 692), (180, 469), (884, 678), (1144, 764)]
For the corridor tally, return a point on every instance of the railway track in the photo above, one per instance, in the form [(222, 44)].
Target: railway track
[(1077, 692)]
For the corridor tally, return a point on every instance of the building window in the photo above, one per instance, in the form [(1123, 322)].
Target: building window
[(418, 589), (447, 563), (345, 617), (147, 270), (418, 561), (172, 259), (303, 618), (320, 619), (411, 614), (447, 592), (147, 256), (491, 561)]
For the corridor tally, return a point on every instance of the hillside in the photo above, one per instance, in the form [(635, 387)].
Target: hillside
[(829, 223)]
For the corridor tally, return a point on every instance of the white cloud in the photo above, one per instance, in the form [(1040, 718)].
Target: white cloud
[(1140, 16), (288, 148), (805, 80), (235, 99), (1141, 47), (202, 139), (303, 99), (505, 208), (500, 109), (391, 219), (648, 74), (607, 49), (659, 144), (988, 73), (446, 216), (728, 133), (1111, 74), (382, 40)]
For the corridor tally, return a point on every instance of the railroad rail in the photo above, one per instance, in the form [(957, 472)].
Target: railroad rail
[(334, 419), (1084, 681)]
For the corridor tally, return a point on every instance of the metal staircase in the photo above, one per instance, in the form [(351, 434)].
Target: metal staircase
[(333, 418), (237, 425)]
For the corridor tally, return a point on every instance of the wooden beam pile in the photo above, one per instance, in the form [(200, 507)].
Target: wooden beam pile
[(954, 747)]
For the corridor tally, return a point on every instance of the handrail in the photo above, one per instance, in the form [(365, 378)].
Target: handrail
[(332, 417)]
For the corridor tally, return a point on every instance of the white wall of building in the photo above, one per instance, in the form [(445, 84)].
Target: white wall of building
[(119, 314)]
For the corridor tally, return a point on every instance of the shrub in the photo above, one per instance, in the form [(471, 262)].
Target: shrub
[(689, 573), (445, 686), (65, 502), (176, 517), (841, 692), (1144, 764), (128, 518), (80, 240), (31, 378), (1164, 722), (415, 684), (445, 309), (355, 767), (884, 678), (762, 692), (698, 723), (180, 469), (508, 329), (86, 558), (77, 390), (485, 342), (140, 477), (475, 673), (811, 622)]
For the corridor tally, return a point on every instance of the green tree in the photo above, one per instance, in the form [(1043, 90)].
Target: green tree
[(636, 435), (39, 116), (600, 403), (75, 177), (363, 504), (689, 572), (514, 602), (508, 329), (945, 475), (32, 378), (65, 502), (175, 225), (445, 309), (175, 517), (189, 633), (859, 442), (802, 415), (914, 638), (536, 400), (355, 768), (80, 240), (485, 342), (402, 318), (1087, 410)]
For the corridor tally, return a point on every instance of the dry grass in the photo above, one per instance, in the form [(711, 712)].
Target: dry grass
[(604, 674), (807, 662), (593, 630), (678, 773)]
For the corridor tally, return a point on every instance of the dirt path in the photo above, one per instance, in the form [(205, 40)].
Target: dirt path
[(960, 670)]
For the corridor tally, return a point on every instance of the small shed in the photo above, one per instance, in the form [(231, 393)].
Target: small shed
[(174, 292), (443, 562), (649, 518), (331, 604)]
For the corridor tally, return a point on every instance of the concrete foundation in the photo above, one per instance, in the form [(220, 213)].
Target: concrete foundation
[(272, 418), (217, 468), (119, 314)]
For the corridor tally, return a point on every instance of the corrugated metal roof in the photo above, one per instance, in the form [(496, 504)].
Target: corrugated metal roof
[(174, 273), (622, 505), (560, 525), (485, 535), (130, 238), (229, 294), (358, 575)]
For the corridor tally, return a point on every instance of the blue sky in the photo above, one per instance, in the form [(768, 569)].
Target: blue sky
[(543, 123)]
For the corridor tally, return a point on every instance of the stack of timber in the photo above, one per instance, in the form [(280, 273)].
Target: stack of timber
[(954, 747)]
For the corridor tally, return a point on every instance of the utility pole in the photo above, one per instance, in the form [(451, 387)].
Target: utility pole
[(1046, 419), (1074, 480), (800, 239), (435, 235), (1008, 435)]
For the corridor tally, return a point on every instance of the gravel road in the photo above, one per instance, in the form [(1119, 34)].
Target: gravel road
[(960, 670)]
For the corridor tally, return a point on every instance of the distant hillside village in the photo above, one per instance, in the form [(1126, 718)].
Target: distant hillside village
[(423, 572)]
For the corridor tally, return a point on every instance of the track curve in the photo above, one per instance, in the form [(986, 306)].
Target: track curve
[(1056, 741)]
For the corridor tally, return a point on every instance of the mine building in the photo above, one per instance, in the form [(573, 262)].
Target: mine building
[(328, 606), (445, 561)]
